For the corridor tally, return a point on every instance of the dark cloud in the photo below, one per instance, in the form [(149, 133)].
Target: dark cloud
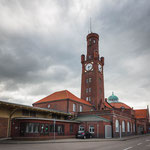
[(41, 44)]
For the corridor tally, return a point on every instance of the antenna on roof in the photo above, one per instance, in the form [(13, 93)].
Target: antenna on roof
[(90, 25)]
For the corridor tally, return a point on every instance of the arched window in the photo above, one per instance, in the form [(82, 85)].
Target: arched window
[(117, 126), (123, 126), (74, 107), (81, 108), (131, 126), (128, 126)]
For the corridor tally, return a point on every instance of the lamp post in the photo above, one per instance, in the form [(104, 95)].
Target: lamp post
[(54, 127)]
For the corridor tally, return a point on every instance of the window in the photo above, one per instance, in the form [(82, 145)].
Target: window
[(117, 126), (25, 112), (90, 80), (28, 113), (128, 127), (86, 90), (81, 108), (89, 89), (32, 113), (131, 127), (51, 128), (94, 41), (81, 128), (71, 128), (60, 129), (46, 128), (36, 128), (91, 129), (42, 128), (87, 99), (89, 56), (32, 128), (123, 126), (87, 80), (74, 107)]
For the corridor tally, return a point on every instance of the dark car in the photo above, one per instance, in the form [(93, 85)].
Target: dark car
[(83, 134)]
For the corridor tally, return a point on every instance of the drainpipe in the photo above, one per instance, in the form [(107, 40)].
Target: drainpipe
[(54, 128), (98, 130)]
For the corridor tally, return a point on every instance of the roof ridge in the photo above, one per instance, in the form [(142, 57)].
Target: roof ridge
[(66, 91)]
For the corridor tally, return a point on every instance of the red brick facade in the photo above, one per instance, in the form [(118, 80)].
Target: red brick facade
[(18, 130), (64, 105), (92, 83)]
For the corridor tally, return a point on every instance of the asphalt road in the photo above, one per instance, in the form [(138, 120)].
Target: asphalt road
[(142, 143)]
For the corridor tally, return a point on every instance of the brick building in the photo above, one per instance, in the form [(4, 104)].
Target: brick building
[(62, 114)]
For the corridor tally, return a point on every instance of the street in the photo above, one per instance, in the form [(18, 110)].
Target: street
[(142, 143)]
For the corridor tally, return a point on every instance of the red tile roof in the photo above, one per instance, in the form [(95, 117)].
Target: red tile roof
[(61, 95), (141, 113), (119, 105), (107, 105)]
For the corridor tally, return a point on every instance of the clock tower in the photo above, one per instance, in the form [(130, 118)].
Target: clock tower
[(92, 84)]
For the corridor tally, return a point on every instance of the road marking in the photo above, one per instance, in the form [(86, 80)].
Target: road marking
[(127, 148), (147, 140), (139, 143)]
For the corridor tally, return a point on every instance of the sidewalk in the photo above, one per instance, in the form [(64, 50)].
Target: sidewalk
[(10, 141)]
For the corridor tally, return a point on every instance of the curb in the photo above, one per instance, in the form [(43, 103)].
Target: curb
[(9, 141)]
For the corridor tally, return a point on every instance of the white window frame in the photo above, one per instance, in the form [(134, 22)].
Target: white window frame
[(91, 129), (81, 108), (87, 98), (90, 89), (87, 90), (123, 126), (87, 80), (74, 107), (90, 80), (117, 125), (81, 128), (90, 56)]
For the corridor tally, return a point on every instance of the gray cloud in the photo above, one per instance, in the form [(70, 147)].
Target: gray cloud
[(41, 44)]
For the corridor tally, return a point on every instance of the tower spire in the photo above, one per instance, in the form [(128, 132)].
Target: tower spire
[(90, 25)]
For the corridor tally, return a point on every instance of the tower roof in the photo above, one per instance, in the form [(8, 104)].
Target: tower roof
[(120, 105), (113, 98), (62, 95)]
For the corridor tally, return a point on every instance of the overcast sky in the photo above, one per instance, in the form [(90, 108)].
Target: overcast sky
[(41, 43)]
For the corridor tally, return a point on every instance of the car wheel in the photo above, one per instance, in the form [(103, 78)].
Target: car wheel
[(84, 137)]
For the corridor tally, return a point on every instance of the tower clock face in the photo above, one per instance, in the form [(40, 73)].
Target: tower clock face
[(99, 68), (88, 67)]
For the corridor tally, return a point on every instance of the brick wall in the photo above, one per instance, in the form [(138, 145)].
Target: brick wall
[(16, 129), (64, 105), (3, 127)]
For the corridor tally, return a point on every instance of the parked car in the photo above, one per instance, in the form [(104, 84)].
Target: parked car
[(83, 134)]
